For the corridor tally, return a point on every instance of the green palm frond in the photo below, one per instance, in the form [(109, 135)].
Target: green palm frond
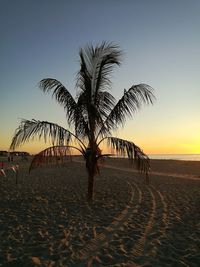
[(105, 103), (94, 102), (130, 102), (96, 113), (32, 129), (105, 58), (96, 67), (131, 150), (64, 98), (52, 155), (62, 95), (83, 76)]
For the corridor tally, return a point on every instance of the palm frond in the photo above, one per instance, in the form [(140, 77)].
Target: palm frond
[(96, 66), (32, 129), (105, 103), (96, 113), (130, 102), (129, 149), (83, 76), (52, 155), (106, 56), (62, 95)]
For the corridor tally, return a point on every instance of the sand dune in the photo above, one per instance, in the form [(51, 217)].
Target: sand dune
[(45, 220)]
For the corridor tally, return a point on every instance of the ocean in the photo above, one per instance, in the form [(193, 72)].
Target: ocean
[(190, 157)]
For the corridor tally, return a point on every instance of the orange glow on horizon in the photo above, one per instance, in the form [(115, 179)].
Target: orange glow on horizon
[(149, 146)]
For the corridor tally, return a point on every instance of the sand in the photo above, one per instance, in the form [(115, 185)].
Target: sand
[(45, 219)]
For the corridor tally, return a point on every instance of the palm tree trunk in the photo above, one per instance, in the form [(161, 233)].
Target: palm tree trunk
[(91, 187), (92, 168)]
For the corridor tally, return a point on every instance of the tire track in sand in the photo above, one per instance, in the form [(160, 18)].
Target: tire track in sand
[(158, 212), (139, 246), (90, 249)]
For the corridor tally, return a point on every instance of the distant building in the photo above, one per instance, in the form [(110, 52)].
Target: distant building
[(11, 155), (19, 153), (3, 153)]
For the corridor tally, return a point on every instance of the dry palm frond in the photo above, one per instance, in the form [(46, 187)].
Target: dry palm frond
[(29, 130), (52, 155)]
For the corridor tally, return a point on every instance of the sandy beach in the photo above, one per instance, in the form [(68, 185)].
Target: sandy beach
[(45, 219)]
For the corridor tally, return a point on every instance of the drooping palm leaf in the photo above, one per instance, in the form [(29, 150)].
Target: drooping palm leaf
[(129, 103), (52, 155), (131, 150), (30, 130)]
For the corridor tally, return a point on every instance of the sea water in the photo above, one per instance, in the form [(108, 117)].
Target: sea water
[(190, 157)]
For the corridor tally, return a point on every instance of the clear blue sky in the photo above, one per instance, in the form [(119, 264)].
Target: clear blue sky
[(161, 42)]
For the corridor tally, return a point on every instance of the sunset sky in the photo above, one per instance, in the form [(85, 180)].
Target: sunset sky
[(161, 44)]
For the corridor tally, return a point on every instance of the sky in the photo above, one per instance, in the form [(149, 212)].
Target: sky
[(161, 44)]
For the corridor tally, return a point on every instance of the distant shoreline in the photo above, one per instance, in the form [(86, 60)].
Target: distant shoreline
[(181, 157), (185, 157)]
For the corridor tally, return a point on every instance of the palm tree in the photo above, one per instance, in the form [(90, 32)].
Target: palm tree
[(94, 114)]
